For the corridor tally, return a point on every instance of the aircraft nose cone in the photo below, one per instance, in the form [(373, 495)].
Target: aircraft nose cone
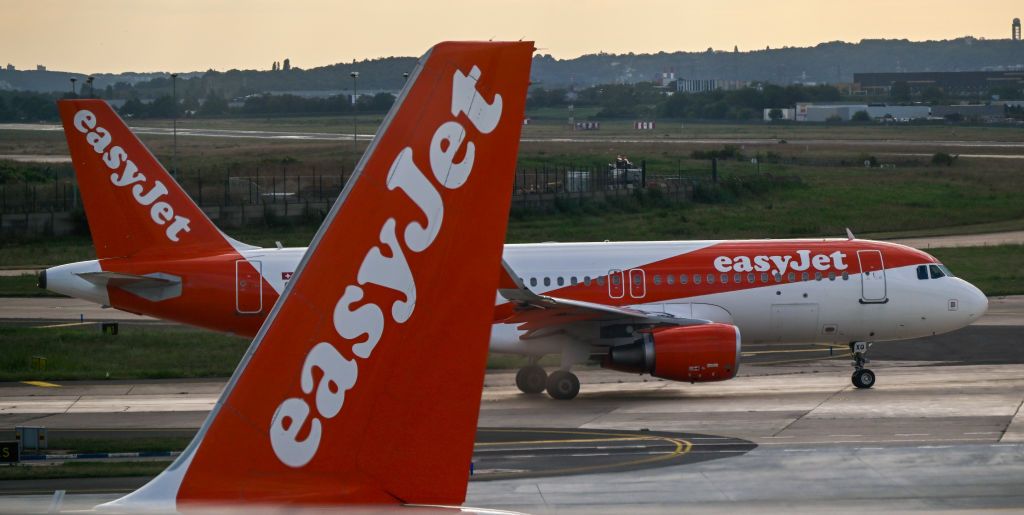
[(977, 303)]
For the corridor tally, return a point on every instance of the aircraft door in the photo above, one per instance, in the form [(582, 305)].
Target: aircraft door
[(637, 283), (616, 289), (248, 287), (872, 276)]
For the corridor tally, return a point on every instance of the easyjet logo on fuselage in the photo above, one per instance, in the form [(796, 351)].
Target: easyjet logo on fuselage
[(801, 262), (116, 159), (386, 269)]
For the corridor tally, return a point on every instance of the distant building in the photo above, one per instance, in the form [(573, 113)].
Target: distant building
[(667, 78), (1015, 34), (702, 85), (287, 64), (40, 68), (788, 113), (275, 67), (961, 84), (10, 67), (987, 113), (810, 112)]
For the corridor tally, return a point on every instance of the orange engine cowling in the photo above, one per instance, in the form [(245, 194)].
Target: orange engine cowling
[(696, 353)]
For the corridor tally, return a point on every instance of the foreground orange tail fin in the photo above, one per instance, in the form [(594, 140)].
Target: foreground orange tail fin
[(133, 205), (364, 384)]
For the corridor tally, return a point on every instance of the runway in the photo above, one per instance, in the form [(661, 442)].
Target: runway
[(942, 429), (341, 136), (925, 429)]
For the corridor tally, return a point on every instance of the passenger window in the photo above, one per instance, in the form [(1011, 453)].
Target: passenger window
[(751, 278), (922, 272), (936, 273), (561, 281), (573, 281), (792, 277), (831, 276), (777, 276), (600, 281), (547, 281), (804, 276), (764, 277), (696, 278), (817, 276), (711, 278), (670, 279), (724, 278), (657, 279), (533, 281), (737, 278), (683, 279), (846, 276), (586, 280)]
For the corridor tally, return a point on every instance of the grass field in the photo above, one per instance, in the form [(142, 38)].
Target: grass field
[(997, 270), (84, 469), (137, 353), (22, 286), (134, 444)]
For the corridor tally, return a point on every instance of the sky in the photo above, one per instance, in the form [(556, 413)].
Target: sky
[(196, 35)]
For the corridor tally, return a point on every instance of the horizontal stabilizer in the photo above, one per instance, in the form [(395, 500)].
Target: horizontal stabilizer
[(152, 287)]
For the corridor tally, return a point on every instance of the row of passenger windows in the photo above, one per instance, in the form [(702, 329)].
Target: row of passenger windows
[(659, 279)]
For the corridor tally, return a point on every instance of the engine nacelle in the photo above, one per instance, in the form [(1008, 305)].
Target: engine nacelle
[(695, 353)]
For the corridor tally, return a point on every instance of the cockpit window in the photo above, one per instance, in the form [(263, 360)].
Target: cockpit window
[(922, 272), (935, 271), (946, 271)]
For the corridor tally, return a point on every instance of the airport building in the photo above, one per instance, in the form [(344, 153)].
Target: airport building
[(702, 85), (810, 112), (962, 84)]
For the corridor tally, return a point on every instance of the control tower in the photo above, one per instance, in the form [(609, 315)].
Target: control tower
[(1016, 30)]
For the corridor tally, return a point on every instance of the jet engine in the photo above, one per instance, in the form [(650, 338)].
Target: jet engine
[(695, 353)]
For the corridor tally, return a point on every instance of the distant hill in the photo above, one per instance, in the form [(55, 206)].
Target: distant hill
[(824, 63)]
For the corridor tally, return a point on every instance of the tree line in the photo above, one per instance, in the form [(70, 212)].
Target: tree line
[(24, 106)]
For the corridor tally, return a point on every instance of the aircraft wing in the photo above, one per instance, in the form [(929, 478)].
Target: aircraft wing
[(536, 313)]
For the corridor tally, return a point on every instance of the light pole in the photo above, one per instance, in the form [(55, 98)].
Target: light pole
[(174, 122), (355, 108), (73, 81), (88, 81)]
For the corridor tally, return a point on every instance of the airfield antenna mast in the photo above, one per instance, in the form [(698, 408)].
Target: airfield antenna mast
[(355, 108), (174, 145)]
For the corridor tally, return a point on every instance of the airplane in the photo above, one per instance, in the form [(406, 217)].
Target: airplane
[(334, 404), (678, 310)]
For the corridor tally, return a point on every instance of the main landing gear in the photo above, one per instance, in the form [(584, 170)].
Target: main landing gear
[(862, 377), (560, 384)]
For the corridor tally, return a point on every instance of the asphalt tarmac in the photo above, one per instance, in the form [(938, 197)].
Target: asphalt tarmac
[(942, 430)]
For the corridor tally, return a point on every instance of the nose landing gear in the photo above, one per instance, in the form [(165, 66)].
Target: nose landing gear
[(862, 377)]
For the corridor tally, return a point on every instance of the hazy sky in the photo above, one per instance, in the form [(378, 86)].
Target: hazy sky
[(92, 36)]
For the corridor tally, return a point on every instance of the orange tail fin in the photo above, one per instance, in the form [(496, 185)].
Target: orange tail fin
[(364, 384), (133, 205)]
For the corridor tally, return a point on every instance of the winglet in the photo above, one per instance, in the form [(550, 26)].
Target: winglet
[(363, 386)]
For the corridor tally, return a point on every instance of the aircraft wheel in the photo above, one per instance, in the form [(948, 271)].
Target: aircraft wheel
[(863, 378), (531, 379), (563, 385)]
